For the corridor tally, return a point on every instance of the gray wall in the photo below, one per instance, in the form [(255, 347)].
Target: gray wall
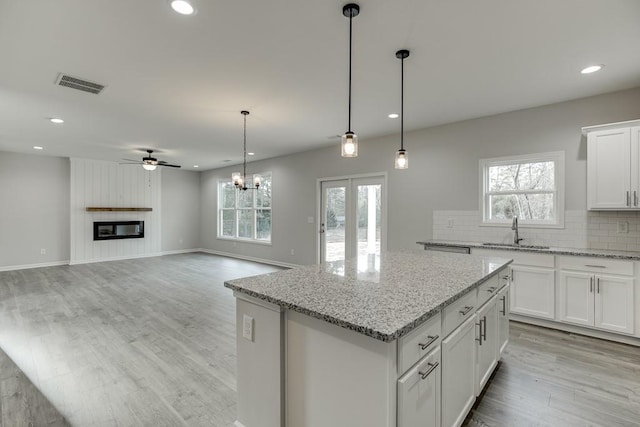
[(442, 174), (34, 209), (180, 209)]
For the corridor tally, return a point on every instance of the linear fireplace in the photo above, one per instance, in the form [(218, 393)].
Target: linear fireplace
[(107, 230)]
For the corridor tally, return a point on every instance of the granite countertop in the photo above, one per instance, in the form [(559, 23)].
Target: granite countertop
[(383, 297), (602, 253)]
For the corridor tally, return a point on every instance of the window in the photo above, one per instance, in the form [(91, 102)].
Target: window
[(530, 187), (245, 215)]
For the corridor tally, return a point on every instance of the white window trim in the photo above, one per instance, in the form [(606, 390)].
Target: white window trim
[(556, 156), (219, 210)]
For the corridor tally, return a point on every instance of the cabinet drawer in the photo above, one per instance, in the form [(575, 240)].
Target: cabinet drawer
[(417, 343), (419, 393), (596, 265), (490, 288), (459, 311), (519, 257)]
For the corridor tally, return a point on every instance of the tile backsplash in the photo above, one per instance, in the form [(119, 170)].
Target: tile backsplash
[(583, 229)]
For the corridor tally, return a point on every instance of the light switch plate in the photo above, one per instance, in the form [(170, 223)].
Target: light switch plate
[(247, 327)]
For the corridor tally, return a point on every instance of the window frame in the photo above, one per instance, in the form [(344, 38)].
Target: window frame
[(559, 170), (236, 211)]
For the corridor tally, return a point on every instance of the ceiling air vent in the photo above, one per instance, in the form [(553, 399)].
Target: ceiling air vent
[(79, 84)]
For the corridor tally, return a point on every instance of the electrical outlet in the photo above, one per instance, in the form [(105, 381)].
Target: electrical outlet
[(293, 252), (43, 251), (247, 327), (623, 227), (309, 220), (450, 223)]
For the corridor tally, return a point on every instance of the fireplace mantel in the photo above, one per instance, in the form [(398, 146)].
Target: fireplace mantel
[(109, 209)]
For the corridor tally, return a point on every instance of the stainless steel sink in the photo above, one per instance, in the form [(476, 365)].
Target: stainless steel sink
[(512, 245)]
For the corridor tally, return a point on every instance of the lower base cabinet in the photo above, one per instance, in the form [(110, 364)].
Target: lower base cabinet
[(458, 373), (503, 319), (419, 393), (487, 342)]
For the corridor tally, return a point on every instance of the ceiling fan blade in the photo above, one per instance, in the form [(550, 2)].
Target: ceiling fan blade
[(168, 165), (131, 160), (130, 163)]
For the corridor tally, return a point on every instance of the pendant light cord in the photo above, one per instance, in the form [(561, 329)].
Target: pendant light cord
[(402, 104), (350, 43), (244, 164)]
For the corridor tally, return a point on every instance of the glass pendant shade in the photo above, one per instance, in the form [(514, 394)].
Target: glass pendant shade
[(402, 159), (236, 177), (149, 167), (349, 145), (256, 181)]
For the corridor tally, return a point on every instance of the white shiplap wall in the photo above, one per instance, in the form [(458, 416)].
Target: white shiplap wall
[(108, 184)]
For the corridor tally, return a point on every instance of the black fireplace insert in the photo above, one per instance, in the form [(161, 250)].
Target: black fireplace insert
[(108, 230)]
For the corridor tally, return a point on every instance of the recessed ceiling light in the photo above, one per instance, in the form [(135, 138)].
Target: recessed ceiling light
[(37, 147), (394, 115), (251, 154), (56, 120), (196, 166), (592, 69), (183, 7)]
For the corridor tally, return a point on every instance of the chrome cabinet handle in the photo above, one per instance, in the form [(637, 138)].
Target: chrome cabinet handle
[(504, 305), (505, 277), (628, 199), (591, 284), (431, 339), (432, 367), (479, 325), (513, 276), (598, 285), (491, 289), (635, 198), (466, 310), (595, 266)]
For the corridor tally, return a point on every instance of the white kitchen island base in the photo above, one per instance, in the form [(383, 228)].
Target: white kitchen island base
[(298, 370)]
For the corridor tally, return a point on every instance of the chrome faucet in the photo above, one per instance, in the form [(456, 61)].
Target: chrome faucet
[(514, 227)]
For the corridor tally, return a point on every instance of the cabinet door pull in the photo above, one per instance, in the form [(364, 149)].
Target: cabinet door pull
[(432, 367), (504, 305), (479, 325), (466, 310), (628, 199), (484, 333), (635, 198), (591, 284), (491, 289), (598, 287), (506, 277), (431, 339), (513, 276), (595, 266)]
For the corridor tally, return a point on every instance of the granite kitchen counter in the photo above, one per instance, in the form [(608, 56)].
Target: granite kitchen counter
[(382, 297), (600, 253)]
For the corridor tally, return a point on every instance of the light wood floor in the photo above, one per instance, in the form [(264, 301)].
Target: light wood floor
[(150, 342)]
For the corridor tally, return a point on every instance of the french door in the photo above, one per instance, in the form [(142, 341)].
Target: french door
[(352, 217)]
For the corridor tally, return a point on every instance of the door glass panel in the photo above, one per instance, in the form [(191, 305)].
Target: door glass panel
[(368, 220), (334, 230)]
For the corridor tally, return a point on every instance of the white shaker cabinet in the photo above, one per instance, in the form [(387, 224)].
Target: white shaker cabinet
[(419, 393), (486, 342), (613, 166), (458, 373), (597, 293), (533, 291)]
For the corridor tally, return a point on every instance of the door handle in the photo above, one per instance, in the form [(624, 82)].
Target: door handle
[(479, 339), (591, 284), (598, 287), (504, 305), (431, 339), (432, 367), (466, 310), (484, 334), (635, 198), (322, 228)]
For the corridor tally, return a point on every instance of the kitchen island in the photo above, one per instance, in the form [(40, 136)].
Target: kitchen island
[(373, 341)]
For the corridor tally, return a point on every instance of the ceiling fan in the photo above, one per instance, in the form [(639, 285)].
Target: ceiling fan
[(149, 162)]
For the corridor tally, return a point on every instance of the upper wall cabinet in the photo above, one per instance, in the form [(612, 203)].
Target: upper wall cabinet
[(613, 166)]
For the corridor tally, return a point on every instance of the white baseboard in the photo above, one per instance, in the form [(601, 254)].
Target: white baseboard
[(116, 258), (551, 324), (249, 258), (39, 265), (181, 251)]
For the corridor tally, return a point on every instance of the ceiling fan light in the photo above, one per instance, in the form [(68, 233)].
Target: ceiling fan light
[(149, 167), (349, 145), (402, 159)]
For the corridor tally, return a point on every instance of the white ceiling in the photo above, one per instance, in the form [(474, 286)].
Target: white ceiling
[(177, 83)]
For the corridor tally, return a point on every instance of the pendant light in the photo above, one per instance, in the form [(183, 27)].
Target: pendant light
[(350, 139), (402, 158), (240, 181)]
